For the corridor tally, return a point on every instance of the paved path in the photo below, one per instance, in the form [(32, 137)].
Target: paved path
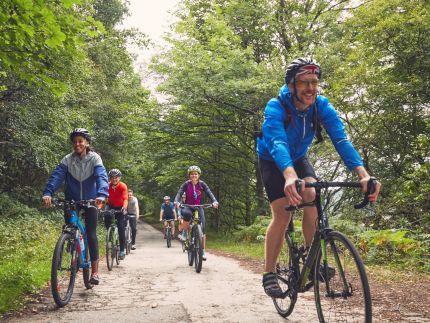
[(155, 284)]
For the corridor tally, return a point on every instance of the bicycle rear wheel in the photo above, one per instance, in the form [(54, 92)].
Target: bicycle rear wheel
[(198, 248), (168, 237), (87, 270), (110, 249), (64, 268), (341, 288), (286, 274)]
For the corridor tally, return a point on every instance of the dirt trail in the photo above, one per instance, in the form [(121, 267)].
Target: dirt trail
[(155, 284)]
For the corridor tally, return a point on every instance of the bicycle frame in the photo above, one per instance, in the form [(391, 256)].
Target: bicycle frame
[(78, 227)]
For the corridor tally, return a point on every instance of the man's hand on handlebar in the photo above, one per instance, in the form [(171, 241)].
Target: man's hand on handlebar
[(215, 205)]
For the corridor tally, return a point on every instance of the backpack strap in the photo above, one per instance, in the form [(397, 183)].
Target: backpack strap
[(287, 110), (316, 124)]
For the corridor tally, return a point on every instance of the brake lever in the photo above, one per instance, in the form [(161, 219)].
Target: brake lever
[(371, 186)]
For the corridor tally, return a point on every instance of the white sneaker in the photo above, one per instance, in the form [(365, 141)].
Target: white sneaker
[(133, 247)]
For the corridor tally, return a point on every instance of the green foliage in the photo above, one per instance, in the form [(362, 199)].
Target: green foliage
[(396, 247), (26, 244), (254, 232)]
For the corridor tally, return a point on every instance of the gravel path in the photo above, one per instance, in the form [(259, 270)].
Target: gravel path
[(155, 284)]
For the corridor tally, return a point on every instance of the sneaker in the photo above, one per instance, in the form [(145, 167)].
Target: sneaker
[(94, 279), (121, 255), (271, 285), (204, 255), (133, 247)]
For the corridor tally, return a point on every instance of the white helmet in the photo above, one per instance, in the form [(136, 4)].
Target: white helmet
[(166, 198), (194, 169)]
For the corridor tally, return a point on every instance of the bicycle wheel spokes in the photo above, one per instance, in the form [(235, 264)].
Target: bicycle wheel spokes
[(63, 270), (341, 288), (285, 273)]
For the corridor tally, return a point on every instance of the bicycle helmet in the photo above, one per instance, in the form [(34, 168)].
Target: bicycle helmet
[(115, 172), (166, 198), (302, 65), (194, 169), (80, 132)]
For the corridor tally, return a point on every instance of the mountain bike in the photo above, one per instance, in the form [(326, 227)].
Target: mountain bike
[(70, 253), (194, 242), (112, 240), (127, 237), (332, 264)]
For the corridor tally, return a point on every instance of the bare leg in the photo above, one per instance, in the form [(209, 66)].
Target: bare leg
[(275, 233), (310, 215)]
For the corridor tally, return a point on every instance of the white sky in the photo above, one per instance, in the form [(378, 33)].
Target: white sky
[(153, 18)]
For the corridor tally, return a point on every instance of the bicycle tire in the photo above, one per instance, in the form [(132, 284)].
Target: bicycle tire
[(86, 271), (198, 248), (345, 290), (168, 237), (67, 240), (128, 240), (110, 249), (117, 247), (190, 251), (286, 276), (183, 246)]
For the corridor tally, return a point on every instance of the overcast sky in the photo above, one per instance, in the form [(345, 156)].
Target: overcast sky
[(152, 17)]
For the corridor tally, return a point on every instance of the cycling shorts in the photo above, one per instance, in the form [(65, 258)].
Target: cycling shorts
[(273, 179)]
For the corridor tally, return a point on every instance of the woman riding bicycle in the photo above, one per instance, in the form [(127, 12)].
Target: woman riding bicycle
[(85, 179), (194, 188)]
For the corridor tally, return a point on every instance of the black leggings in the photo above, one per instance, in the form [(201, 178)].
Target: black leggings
[(133, 225), (121, 224), (91, 215), (187, 214)]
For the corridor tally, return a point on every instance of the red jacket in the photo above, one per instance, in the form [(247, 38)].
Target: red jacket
[(118, 196)]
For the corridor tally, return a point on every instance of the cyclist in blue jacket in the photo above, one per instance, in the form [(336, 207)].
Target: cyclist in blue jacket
[(290, 124), (85, 178)]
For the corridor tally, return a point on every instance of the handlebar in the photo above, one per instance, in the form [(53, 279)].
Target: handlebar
[(371, 186), (197, 205), (59, 202)]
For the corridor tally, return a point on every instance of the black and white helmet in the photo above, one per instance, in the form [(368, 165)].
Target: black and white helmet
[(166, 198), (302, 65), (115, 172), (80, 132)]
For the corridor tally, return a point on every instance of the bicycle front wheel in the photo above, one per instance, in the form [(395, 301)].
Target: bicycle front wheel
[(169, 237), (64, 268), (117, 246), (341, 288), (198, 248), (110, 249), (128, 240), (286, 273)]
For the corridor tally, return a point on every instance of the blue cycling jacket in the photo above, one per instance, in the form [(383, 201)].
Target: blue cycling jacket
[(85, 179), (283, 146)]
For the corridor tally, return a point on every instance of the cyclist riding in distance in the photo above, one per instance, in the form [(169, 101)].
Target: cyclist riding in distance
[(85, 179), (193, 188), (290, 123), (118, 201), (168, 214)]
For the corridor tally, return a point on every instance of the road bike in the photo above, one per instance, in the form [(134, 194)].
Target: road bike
[(71, 252), (332, 266), (112, 239), (194, 242)]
